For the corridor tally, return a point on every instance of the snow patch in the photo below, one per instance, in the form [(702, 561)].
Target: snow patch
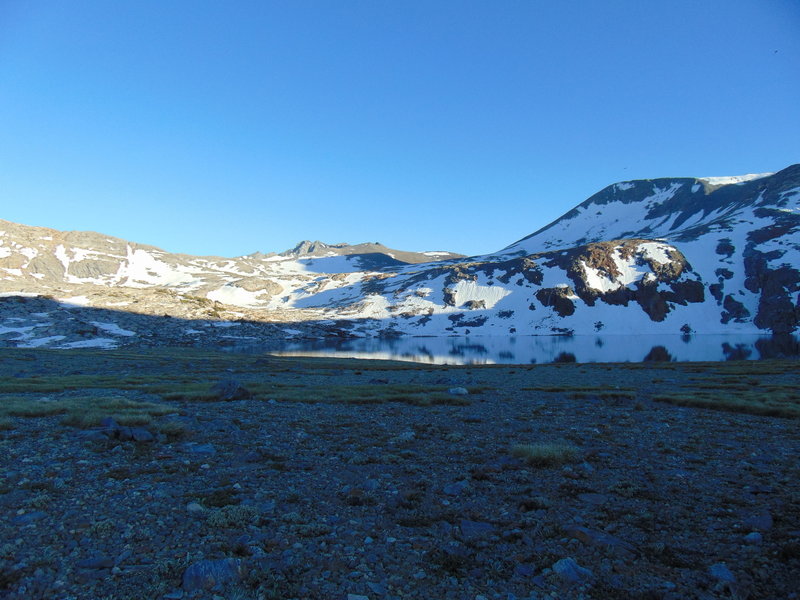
[(113, 328), (466, 291), (39, 342), (93, 343), (655, 251), (236, 296), (75, 301), (734, 179)]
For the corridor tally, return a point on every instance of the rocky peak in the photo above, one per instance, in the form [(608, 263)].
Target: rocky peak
[(308, 247)]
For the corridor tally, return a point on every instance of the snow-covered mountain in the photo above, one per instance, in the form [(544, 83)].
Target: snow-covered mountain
[(708, 255)]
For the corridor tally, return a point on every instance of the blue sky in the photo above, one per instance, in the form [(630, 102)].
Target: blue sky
[(224, 128)]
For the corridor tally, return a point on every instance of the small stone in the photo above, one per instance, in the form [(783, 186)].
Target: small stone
[(721, 572), (592, 498), (93, 435), (357, 597), (109, 423), (759, 522), (24, 519), (753, 538), (230, 389), (378, 588), (569, 569), (194, 507), (454, 489), (522, 570), (124, 434), (599, 538), (406, 436), (458, 391), (473, 530), (200, 449), (140, 434)]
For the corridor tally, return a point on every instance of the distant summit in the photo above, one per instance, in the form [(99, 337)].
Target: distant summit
[(307, 248)]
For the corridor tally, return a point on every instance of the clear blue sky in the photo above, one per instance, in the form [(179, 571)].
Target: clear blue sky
[(212, 127)]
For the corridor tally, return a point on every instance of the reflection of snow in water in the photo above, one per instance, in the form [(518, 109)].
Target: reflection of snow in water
[(544, 349)]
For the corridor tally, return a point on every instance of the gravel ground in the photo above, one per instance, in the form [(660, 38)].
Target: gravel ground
[(264, 498)]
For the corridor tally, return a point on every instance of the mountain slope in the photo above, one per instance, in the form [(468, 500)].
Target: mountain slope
[(665, 255)]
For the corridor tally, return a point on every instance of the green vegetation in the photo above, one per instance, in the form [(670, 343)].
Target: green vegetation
[(547, 454), (584, 389), (233, 517), (85, 411), (772, 401)]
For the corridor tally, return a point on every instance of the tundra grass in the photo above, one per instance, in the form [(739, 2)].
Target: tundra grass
[(588, 389), (550, 454), (778, 401), (85, 412)]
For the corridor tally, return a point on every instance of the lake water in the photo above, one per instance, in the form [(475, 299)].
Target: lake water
[(547, 349)]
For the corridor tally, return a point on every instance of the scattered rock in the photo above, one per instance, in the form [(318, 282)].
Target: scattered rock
[(405, 436), (473, 530), (141, 435), (455, 489), (458, 391), (600, 538), (753, 538), (199, 449), (570, 570), (722, 573), (30, 517), (760, 522)]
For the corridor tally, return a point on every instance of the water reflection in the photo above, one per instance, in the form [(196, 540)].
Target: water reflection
[(547, 349)]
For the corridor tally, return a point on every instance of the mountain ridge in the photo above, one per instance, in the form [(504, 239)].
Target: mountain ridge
[(665, 255)]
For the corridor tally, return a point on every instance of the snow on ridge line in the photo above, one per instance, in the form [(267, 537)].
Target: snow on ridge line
[(734, 179)]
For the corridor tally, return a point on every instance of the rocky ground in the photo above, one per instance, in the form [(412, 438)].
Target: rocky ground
[(327, 482)]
